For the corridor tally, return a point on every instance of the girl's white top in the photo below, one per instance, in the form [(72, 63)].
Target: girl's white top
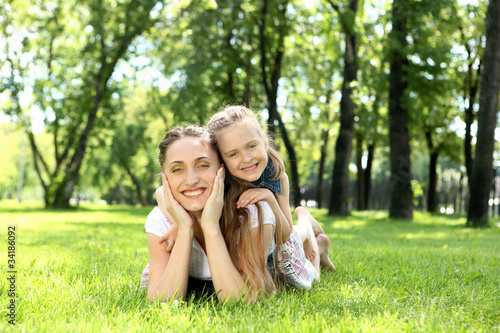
[(158, 224)]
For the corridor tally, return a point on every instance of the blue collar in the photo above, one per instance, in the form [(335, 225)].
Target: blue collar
[(265, 180)]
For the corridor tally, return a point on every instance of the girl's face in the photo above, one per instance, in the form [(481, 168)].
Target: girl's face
[(191, 166), (243, 151)]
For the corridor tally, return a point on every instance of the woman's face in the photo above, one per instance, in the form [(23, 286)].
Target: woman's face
[(191, 166)]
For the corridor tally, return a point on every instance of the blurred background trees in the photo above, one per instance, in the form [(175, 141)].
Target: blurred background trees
[(372, 104)]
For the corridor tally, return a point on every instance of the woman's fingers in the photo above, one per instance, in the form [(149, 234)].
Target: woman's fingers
[(175, 210), (220, 183), (213, 207), (166, 188)]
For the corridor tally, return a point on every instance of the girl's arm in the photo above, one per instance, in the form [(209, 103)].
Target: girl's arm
[(279, 204), (284, 199)]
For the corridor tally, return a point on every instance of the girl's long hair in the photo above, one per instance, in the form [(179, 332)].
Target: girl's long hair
[(248, 254)]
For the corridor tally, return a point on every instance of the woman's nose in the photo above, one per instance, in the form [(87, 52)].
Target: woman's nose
[(192, 178)]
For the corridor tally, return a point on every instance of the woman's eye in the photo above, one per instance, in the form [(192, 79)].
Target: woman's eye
[(176, 170), (205, 166)]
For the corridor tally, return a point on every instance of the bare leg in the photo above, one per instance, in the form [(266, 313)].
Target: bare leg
[(324, 247), (306, 234), (311, 248), (322, 239), (302, 212)]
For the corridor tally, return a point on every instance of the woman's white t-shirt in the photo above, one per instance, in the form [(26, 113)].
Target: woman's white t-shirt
[(158, 224)]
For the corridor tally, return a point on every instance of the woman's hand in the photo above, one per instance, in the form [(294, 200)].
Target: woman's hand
[(181, 217), (213, 207)]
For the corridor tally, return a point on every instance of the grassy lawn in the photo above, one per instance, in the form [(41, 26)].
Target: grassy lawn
[(78, 270)]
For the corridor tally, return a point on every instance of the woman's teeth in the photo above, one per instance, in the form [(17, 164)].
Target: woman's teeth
[(193, 193)]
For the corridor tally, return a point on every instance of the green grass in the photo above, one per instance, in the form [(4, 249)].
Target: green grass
[(78, 271)]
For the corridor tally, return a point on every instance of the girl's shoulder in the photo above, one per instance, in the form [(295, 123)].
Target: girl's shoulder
[(157, 223), (267, 213)]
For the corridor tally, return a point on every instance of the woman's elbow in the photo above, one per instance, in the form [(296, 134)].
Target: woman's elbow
[(154, 295)]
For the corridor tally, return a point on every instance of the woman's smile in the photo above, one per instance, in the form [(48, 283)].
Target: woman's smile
[(194, 193)]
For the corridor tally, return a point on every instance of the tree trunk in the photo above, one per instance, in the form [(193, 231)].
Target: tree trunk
[(137, 184), (340, 179), (482, 170), (431, 189), (65, 188), (471, 87), (368, 173), (360, 181), (271, 88), (401, 192), (325, 135)]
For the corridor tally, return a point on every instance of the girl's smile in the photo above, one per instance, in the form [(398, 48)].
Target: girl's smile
[(243, 151)]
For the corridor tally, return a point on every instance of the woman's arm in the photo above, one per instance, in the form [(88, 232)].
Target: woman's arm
[(171, 235), (169, 272)]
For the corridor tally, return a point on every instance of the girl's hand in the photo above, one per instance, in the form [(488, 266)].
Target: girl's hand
[(180, 216), (254, 195), (213, 207), (170, 237)]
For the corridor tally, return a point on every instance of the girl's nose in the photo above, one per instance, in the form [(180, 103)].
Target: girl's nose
[(247, 157)]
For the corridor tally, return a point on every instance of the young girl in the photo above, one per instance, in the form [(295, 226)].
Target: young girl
[(248, 155)]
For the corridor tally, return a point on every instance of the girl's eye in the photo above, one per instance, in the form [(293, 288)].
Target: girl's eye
[(252, 147), (232, 155)]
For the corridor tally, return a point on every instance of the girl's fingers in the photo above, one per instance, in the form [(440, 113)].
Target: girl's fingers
[(170, 246)]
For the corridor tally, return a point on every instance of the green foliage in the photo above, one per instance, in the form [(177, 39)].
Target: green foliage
[(78, 270), (156, 64)]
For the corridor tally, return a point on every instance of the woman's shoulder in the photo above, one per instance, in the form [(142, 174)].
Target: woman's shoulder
[(157, 223)]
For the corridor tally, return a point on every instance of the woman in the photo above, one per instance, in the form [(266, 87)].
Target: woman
[(225, 251)]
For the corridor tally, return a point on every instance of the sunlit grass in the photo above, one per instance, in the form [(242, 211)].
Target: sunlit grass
[(78, 270)]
